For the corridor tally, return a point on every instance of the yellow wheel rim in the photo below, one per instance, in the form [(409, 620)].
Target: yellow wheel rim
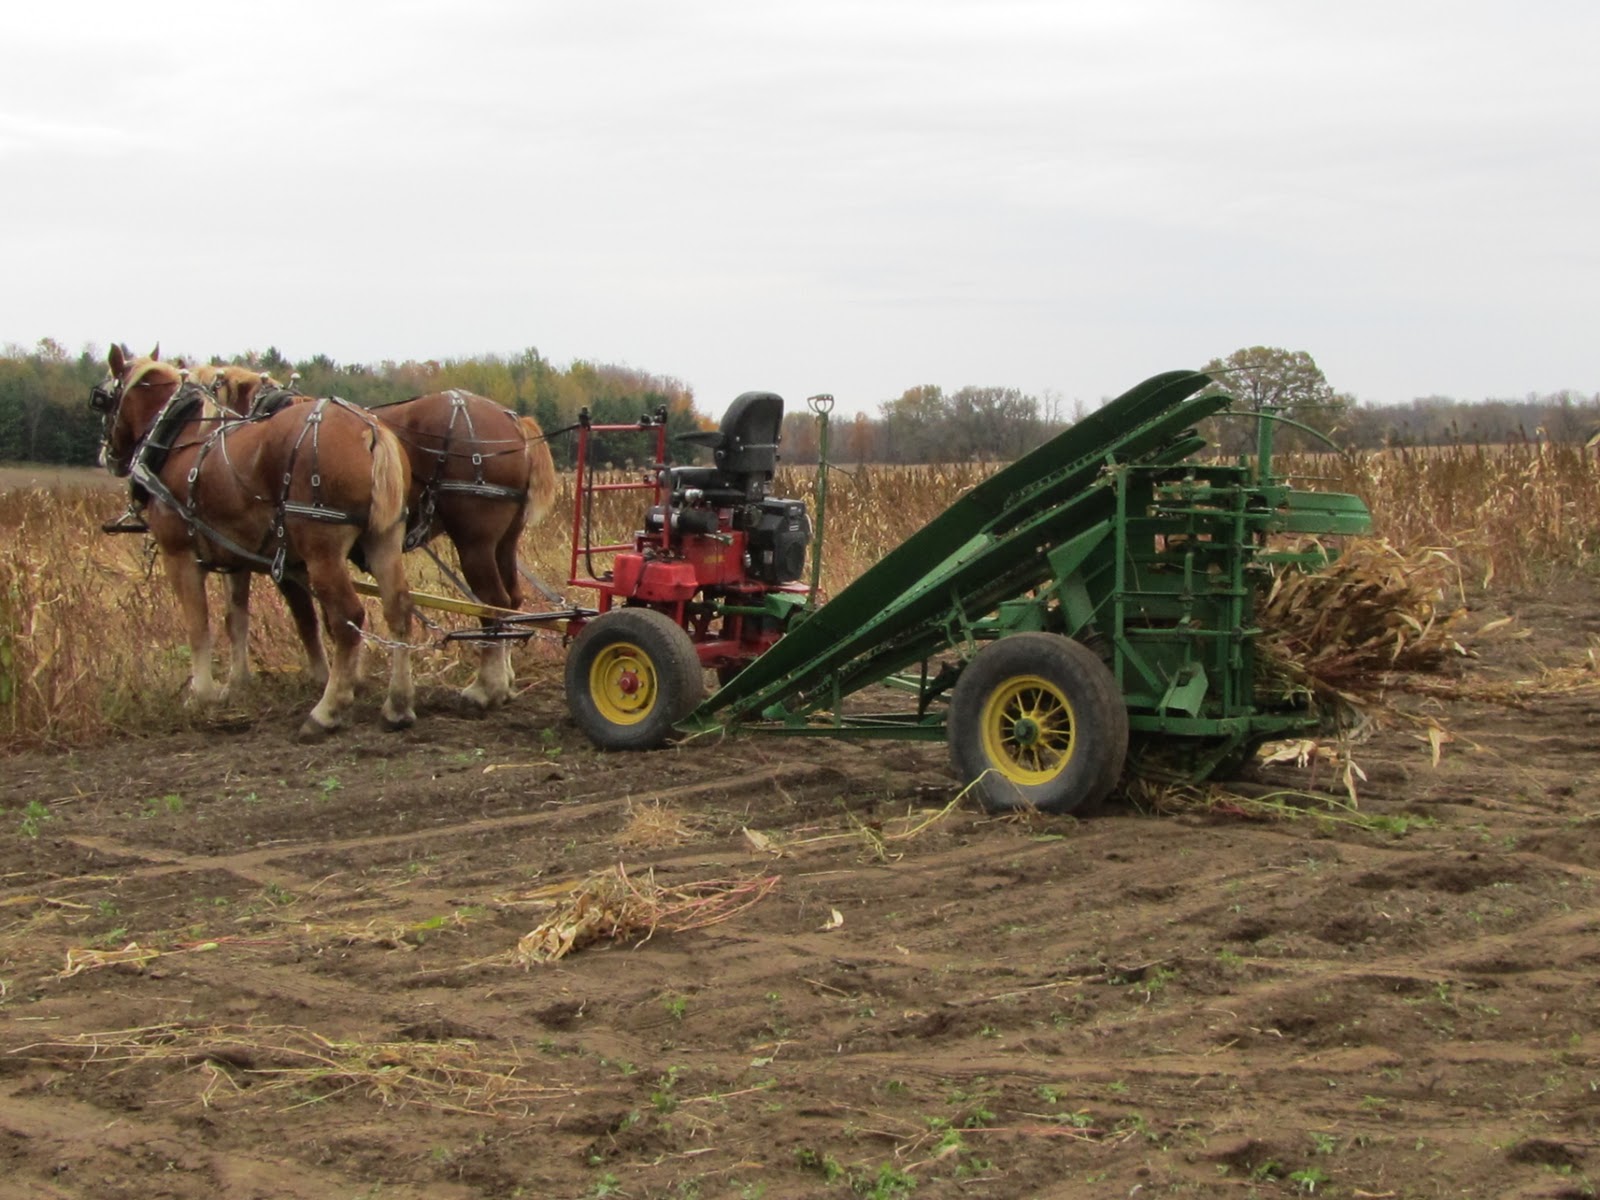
[(622, 683), (1027, 727)]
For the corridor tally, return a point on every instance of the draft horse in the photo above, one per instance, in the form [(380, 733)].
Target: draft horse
[(291, 495), (478, 473)]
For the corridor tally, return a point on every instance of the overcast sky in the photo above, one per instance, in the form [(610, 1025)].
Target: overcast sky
[(854, 196)]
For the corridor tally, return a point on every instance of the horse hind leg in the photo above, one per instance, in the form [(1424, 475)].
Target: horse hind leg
[(491, 685), (342, 619), (505, 557), (385, 550)]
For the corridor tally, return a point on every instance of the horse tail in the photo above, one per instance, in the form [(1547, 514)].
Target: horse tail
[(541, 471), (390, 479)]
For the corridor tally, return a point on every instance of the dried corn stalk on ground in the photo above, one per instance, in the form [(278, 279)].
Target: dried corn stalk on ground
[(611, 906), (1342, 632)]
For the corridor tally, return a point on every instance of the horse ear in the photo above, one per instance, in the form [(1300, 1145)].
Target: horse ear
[(117, 359), (156, 353)]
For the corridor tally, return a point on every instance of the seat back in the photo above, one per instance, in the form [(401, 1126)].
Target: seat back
[(748, 445)]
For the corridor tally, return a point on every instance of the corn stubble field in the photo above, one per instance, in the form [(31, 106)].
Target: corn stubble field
[(479, 959)]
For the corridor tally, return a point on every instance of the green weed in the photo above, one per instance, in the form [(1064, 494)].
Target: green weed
[(34, 814)]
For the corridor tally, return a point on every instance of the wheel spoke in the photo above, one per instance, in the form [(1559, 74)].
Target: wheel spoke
[(1028, 725)]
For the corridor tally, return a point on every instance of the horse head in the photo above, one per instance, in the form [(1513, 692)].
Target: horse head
[(129, 399)]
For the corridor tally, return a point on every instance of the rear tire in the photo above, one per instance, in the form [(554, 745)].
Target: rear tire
[(1037, 721), (632, 674)]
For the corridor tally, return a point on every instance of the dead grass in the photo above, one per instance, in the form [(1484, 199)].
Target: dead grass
[(90, 642), (1504, 513), (612, 906), (657, 826), (290, 1067)]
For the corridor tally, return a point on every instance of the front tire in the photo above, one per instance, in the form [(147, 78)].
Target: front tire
[(1037, 721), (632, 674)]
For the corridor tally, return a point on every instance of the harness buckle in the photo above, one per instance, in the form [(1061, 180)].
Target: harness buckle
[(279, 560)]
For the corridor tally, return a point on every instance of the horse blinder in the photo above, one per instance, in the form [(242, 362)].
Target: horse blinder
[(103, 396)]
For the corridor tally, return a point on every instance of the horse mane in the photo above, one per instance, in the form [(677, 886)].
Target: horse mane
[(155, 373)]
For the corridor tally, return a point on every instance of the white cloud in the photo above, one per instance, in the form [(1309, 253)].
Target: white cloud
[(828, 196)]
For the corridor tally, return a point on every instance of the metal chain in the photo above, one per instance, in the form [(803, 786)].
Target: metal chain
[(366, 635)]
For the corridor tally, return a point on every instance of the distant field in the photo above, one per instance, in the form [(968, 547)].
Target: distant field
[(42, 475)]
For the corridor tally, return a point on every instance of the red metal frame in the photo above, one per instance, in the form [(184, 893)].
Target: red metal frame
[(672, 574), (584, 492)]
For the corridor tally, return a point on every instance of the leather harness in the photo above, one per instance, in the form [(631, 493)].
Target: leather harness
[(427, 502), (152, 452)]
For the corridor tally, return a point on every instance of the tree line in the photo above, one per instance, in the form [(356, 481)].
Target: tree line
[(45, 416)]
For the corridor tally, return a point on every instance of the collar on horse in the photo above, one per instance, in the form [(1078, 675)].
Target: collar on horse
[(269, 401)]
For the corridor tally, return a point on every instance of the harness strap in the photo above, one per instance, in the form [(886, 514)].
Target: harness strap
[(490, 491), (145, 475), (154, 485)]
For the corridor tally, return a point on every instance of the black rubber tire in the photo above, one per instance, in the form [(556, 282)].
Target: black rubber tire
[(1037, 721), (632, 674)]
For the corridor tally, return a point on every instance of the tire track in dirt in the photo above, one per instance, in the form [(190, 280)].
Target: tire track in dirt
[(260, 866), (71, 1142)]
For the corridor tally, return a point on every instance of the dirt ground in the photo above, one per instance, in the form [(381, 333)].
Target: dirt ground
[(238, 966)]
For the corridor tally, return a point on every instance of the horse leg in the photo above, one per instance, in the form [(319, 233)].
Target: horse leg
[(492, 684), (505, 557), (189, 583), (238, 622), (342, 619), (384, 551), (304, 612)]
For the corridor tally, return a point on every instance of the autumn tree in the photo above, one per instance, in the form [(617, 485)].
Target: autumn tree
[(1267, 383)]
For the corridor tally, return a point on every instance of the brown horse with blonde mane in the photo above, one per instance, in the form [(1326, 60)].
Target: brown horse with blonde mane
[(479, 474), (292, 495)]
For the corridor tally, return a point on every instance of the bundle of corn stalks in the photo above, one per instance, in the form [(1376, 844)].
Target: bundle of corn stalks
[(611, 906), (1342, 633)]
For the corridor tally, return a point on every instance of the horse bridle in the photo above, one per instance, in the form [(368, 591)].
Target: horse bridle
[(105, 398)]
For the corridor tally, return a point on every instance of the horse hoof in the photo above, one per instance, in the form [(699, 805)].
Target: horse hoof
[(396, 723), (312, 730)]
